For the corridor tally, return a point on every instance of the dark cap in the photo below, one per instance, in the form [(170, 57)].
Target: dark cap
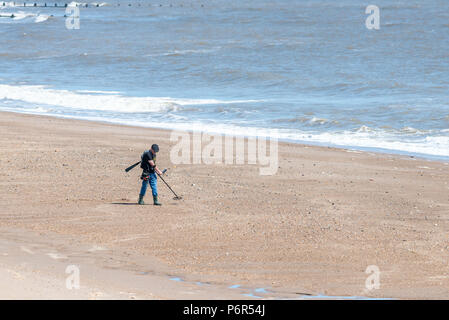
[(155, 148)]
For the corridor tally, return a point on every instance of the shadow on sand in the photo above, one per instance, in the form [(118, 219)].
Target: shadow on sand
[(126, 203)]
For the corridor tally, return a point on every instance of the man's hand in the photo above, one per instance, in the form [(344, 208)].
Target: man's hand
[(159, 172)]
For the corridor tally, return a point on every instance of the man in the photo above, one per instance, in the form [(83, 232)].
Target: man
[(149, 176)]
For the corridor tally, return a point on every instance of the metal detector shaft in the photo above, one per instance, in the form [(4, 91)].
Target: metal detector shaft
[(169, 187), (132, 166)]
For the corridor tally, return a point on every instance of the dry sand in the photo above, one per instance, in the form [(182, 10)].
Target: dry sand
[(313, 228)]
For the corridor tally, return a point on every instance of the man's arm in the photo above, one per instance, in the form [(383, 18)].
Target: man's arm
[(154, 167)]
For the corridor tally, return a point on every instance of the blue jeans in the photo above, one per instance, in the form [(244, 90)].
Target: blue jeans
[(152, 180)]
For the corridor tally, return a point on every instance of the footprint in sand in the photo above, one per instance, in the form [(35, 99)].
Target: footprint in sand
[(96, 295), (97, 248), (25, 249), (16, 275), (56, 256)]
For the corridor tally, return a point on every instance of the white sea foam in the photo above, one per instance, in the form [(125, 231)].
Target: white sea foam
[(315, 120), (182, 52), (97, 91), (102, 102), (82, 4), (378, 140), (41, 18), (413, 130), (435, 146), (364, 129), (75, 4), (102, 4), (20, 15), (41, 110)]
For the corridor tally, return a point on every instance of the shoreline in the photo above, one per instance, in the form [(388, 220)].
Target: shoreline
[(326, 215), (422, 156)]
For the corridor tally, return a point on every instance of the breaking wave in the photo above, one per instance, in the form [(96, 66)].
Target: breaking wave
[(100, 100), (21, 16)]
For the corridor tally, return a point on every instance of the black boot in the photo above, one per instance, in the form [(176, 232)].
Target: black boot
[(156, 203), (141, 200)]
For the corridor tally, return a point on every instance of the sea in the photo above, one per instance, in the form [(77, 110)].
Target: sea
[(309, 71)]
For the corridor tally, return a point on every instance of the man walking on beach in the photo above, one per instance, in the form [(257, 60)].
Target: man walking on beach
[(148, 165)]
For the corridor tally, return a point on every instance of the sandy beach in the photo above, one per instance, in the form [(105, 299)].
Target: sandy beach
[(312, 229)]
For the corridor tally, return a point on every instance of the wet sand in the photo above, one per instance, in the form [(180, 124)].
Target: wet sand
[(313, 228)]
